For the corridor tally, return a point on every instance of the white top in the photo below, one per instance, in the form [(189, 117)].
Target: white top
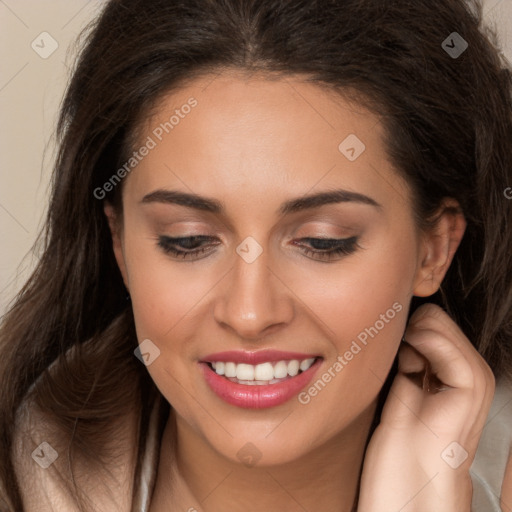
[(42, 491), (491, 458)]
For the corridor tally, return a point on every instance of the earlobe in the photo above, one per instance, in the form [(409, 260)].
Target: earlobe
[(117, 243), (440, 245)]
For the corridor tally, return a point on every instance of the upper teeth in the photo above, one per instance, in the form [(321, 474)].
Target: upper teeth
[(264, 371)]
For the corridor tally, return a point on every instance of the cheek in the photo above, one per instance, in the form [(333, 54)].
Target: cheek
[(167, 300), (352, 294), (164, 293), (361, 307)]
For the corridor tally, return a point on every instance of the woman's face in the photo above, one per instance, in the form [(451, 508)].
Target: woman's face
[(238, 161)]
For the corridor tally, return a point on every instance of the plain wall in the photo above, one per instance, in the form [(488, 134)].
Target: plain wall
[(31, 89)]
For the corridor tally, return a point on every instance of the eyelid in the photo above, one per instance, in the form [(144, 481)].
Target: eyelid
[(339, 247)]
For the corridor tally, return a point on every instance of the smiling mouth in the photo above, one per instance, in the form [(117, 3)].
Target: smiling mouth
[(261, 374)]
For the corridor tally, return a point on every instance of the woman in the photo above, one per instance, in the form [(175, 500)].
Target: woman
[(276, 271)]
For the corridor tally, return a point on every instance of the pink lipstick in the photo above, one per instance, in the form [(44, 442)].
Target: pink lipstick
[(258, 380)]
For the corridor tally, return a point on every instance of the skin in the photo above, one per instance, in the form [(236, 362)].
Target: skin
[(252, 144)]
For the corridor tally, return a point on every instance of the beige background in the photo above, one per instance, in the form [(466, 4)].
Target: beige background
[(31, 89)]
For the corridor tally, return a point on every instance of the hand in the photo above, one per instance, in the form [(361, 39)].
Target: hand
[(419, 456)]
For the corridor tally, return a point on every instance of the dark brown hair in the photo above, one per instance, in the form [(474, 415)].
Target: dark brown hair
[(449, 130)]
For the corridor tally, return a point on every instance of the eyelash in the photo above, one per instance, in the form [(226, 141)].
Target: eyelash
[(335, 247)]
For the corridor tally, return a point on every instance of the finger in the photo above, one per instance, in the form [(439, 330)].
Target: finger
[(447, 361), (418, 369), (430, 333), (410, 360), (431, 316), (453, 359)]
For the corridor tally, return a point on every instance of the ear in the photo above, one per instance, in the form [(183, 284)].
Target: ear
[(439, 246), (115, 225)]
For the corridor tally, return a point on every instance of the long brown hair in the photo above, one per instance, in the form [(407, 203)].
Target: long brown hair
[(448, 122)]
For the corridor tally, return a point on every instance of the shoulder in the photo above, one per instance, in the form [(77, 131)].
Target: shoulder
[(50, 475), (491, 470)]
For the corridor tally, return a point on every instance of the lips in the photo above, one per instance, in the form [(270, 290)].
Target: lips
[(260, 379)]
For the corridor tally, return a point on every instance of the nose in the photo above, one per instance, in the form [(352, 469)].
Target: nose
[(254, 301)]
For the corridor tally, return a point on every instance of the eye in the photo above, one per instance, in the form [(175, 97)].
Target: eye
[(329, 248), (191, 246), (195, 246)]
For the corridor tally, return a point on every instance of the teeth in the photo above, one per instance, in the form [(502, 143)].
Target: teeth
[(293, 367), (229, 369), (264, 373), (245, 372), (219, 368), (280, 370), (304, 365)]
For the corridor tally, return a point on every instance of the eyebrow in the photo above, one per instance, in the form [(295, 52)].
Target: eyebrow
[(291, 206)]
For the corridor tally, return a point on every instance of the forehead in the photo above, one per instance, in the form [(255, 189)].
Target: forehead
[(233, 103), (246, 133)]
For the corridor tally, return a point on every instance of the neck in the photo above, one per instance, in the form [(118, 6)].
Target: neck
[(193, 477)]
